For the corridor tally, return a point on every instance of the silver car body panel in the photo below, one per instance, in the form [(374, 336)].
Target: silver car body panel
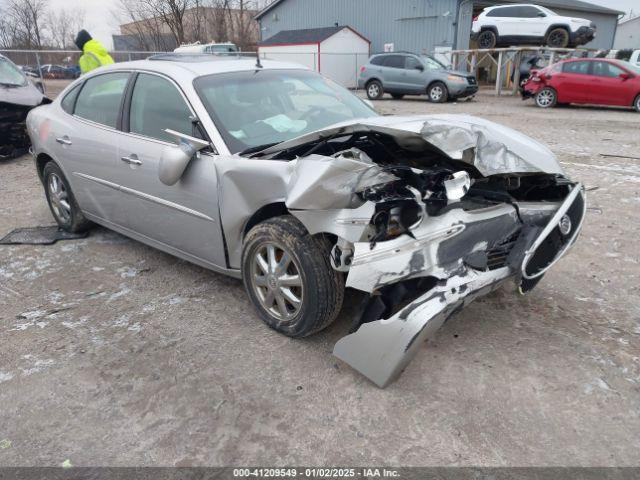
[(204, 217)]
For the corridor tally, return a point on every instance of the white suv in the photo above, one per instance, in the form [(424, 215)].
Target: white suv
[(529, 24)]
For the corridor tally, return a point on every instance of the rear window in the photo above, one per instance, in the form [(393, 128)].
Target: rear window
[(504, 12), (394, 61), (576, 67), (377, 61)]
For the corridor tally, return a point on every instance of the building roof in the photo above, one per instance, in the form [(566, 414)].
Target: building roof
[(569, 4), (305, 35), (631, 19)]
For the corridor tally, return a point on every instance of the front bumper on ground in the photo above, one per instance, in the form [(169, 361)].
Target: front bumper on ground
[(382, 348)]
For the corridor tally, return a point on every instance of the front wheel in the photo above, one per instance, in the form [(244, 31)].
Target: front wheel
[(437, 92), (289, 278), (375, 90), (558, 38), (61, 201), (546, 98)]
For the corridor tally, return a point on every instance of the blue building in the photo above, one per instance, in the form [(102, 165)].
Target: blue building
[(416, 25)]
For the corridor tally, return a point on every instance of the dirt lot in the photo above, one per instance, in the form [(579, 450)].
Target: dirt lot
[(117, 354)]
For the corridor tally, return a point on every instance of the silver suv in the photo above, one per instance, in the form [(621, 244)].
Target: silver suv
[(403, 74)]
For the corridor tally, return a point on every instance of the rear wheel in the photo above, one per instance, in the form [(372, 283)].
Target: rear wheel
[(558, 38), (487, 39), (546, 98), (61, 201), (636, 103), (374, 90), (437, 92), (289, 279)]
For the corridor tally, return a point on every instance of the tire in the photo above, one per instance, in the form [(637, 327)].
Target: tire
[(397, 96), (546, 98), (636, 103), (375, 91), (319, 288), (487, 39), (62, 203), (558, 38), (437, 92)]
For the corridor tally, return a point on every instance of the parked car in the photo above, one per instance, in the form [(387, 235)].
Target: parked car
[(18, 94), (588, 81), (59, 72), (276, 175), (403, 74), (225, 48), (526, 24)]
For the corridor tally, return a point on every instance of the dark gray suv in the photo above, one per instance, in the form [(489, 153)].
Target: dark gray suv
[(403, 74)]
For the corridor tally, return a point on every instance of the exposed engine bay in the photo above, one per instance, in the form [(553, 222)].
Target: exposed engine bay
[(425, 226)]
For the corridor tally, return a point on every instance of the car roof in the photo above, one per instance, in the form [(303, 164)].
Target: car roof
[(190, 66), (511, 5)]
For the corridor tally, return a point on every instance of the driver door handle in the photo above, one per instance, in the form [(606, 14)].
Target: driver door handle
[(131, 160), (64, 140)]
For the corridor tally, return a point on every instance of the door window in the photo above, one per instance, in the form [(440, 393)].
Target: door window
[(530, 12), (156, 105), (504, 12), (606, 69), (394, 61), (69, 99), (576, 67), (99, 99), (377, 61), (412, 63)]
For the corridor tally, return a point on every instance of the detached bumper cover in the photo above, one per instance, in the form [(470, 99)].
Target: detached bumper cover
[(381, 349), (583, 35)]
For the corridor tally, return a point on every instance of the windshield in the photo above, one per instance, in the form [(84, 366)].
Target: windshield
[(547, 11), (432, 64), (264, 107), (630, 66), (10, 74)]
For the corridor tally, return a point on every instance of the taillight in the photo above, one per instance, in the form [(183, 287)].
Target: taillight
[(475, 19), (362, 69)]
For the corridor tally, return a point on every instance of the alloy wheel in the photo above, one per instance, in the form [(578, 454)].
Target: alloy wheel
[(558, 38), (276, 281), (59, 198), (545, 98), (436, 93), (373, 90)]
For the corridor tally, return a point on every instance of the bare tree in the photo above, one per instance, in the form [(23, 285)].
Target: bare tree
[(26, 20), (63, 26)]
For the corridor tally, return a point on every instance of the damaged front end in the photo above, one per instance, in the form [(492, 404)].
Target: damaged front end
[(427, 215)]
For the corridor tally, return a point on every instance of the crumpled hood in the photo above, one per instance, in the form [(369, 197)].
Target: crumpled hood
[(492, 148), (27, 95)]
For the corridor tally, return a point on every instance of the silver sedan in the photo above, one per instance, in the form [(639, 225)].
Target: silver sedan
[(274, 174)]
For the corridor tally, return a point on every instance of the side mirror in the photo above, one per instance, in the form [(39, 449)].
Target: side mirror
[(419, 67), (625, 76), (541, 14), (175, 158)]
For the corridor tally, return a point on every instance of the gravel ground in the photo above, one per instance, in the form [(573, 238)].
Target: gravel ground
[(116, 354)]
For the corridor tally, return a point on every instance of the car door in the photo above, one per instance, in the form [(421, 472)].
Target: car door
[(573, 82), (608, 87), (414, 80), (506, 21), (532, 21), (393, 73), (183, 217), (87, 142)]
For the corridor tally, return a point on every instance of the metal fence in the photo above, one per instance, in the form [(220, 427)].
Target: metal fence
[(498, 68)]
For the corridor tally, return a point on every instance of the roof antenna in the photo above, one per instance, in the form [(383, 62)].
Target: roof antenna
[(258, 64)]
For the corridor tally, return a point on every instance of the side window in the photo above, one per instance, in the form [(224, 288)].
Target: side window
[(394, 61), (99, 99), (529, 12), (69, 99), (156, 104), (496, 12), (412, 63), (576, 67), (377, 61), (606, 69)]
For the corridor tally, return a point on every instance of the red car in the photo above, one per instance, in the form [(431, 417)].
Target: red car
[(595, 81)]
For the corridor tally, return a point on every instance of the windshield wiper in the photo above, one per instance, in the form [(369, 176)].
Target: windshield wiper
[(257, 148)]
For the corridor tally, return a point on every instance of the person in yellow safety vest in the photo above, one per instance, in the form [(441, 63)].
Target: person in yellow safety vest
[(94, 54)]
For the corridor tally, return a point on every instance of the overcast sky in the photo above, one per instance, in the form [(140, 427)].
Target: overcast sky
[(101, 15)]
